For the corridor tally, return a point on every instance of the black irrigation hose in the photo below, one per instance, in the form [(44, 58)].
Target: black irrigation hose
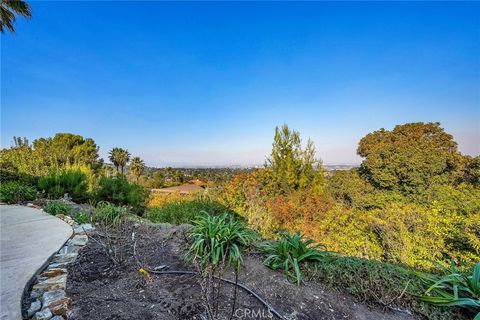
[(265, 303)]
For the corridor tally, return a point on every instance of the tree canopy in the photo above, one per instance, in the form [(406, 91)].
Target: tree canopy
[(119, 157), (137, 166), (9, 10), (410, 157), (49, 154)]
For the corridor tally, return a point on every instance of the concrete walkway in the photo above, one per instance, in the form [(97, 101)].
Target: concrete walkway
[(28, 238)]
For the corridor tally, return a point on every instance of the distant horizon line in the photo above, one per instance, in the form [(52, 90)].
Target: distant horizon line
[(236, 166)]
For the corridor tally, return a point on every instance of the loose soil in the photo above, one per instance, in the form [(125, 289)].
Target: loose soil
[(101, 290)]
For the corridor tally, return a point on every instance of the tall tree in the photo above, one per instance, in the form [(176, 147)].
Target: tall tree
[(410, 157), (292, 166), (47, 154), (137, 166), (9, 9), (66, 149), (119, 157)]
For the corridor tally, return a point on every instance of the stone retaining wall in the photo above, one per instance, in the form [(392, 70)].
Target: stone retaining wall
[(48, 300)]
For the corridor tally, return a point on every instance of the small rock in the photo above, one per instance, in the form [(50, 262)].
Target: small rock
[(51, 296), (53, 272), (60, 216), (45, 314), (61, 306), (69, 220), (31, 205), (57, 318), (40, 278), (35, 294), (34, 307), (81, 229), (67, 257), (62, 265), (50, 284), (78, 240), (68, 249)]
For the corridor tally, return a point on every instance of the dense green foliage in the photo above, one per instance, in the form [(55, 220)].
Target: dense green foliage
[(119, 191), (428, 211), (69, 164), (377, 282), (184, 211), (454, 289), (62, 152), (57, 207), (106, 213), (289, 252), (409, 158), (71, 182), (14, 192)]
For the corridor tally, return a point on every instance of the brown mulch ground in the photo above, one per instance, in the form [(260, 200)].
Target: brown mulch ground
[(101, 290)]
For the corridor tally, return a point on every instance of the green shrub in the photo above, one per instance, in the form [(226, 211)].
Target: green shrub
[(107, 213), (454, 289), (376, 282), (57, 207), (72, 182), (184, 211), (218, 239), (81, 217), (119, 191), (13, 192), (289, 252)]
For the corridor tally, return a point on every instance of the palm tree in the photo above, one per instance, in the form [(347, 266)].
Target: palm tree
[(119, 158), (136, 167), (9, 9)]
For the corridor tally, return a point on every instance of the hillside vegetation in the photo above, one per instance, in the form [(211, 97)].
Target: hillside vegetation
[(413, 204)]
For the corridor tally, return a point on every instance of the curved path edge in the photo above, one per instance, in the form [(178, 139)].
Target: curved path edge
[(29, 237)]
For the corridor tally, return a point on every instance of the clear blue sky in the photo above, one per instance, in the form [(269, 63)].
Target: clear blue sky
[(206, 83)]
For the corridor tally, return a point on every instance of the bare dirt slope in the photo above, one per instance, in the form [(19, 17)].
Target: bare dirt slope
[(101, 291)]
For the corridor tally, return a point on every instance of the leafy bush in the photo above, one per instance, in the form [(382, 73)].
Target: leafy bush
[(289, 252), (57, 207), (72, 182), (184, 211), (218, 239), (14, 192), (454, 289), (397, 230), (81, 217), (377, 282), (107, 213), (119, 191)]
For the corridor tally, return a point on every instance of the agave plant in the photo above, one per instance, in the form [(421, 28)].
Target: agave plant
[(454, 289), (290, 251)]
